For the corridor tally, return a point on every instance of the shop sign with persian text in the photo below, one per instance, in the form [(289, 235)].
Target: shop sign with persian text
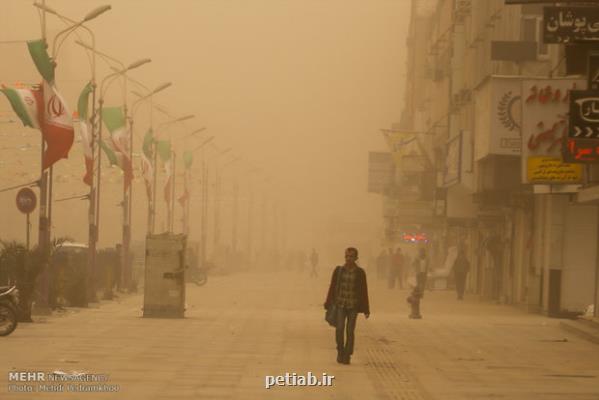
[(545, 105), (570, 24)]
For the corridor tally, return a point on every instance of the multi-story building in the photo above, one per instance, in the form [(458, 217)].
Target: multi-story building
[(478, 81)]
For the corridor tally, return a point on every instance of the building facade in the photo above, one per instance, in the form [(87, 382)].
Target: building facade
[(481, 127)]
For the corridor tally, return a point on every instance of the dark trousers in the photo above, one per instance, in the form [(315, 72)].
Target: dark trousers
[(344, 332), (460, 284)]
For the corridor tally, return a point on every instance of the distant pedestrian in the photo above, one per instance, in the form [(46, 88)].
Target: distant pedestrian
[(381, 263), (314, 263), (461, 266), (396, 264), (348, 293), (420, 265)]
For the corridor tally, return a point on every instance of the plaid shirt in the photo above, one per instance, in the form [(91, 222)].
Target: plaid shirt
[(346, 294)]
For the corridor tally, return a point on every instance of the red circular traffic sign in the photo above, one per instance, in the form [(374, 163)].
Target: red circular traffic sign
[(26, 200)]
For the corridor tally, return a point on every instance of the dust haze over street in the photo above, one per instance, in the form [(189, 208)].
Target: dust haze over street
[(299, 199)]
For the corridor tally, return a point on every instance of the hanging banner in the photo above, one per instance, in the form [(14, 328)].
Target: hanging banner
[(545, 104)]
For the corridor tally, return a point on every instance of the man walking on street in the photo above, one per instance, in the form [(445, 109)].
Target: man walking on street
[(461, 266), (396, 269), (348, 293), (421, 271)]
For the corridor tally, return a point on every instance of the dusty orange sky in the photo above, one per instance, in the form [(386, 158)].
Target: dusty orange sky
[(299, 89)]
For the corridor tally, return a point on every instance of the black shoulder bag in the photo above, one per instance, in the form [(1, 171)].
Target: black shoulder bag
[(330, 314)]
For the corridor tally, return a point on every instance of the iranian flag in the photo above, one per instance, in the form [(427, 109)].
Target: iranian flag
[(25, 102), (117, 147), (42, 107), (146, 165), (80, 121), (187, 162), (55, 118), (164, 151)]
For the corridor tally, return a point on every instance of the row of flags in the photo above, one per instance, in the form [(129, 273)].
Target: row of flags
[(42, 107)]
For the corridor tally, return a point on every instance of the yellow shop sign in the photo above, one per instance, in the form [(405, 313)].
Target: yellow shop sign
[(552, 170)]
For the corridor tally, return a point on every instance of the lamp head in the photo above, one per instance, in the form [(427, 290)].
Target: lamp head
[(82, 44), (138, 63), (198, 130), (96, 12), (45, 8), (162, 87), (184, 118)]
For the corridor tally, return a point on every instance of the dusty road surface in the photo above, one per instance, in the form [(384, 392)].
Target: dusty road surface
[(241, 329)]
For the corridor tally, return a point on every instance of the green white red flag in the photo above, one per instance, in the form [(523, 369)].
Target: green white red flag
[(117, 147), (146, 165), (55, 118), (26, 103), (43, 107), (80, 122), (187, 162), (164, 151)]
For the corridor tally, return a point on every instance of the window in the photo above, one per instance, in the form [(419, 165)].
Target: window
[(532, 31)]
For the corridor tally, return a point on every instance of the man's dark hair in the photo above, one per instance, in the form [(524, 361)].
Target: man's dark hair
[(353, 249)]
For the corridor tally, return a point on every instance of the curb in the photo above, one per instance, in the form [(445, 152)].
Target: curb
[(585, 329)]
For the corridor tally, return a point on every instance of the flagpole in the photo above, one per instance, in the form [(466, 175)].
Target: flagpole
[(46, 179), (127, 196), (42, 306), (204, 214), (174, 179)]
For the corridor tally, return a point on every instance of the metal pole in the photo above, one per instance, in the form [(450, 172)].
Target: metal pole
[(27, 231), (172, 194), (127, 193), (155, 183), (187, 204), (92, 297), (204, 211), (95, 149), (250, 219), (235, 213), (217, 209)]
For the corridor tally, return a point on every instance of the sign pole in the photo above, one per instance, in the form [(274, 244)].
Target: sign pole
[(27, 228)]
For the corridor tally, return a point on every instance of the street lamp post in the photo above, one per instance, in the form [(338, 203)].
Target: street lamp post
[(134, 108), (217, 184), (186, 217), (44, 222), (108, 80), (171, 207)]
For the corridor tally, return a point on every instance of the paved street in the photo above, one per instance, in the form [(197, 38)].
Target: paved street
[(242, 328)]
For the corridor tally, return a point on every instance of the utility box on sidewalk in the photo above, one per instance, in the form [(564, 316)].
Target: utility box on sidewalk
[(164, 288)]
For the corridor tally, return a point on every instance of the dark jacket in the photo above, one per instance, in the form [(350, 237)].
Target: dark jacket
[(461, 266), (361, 290)]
